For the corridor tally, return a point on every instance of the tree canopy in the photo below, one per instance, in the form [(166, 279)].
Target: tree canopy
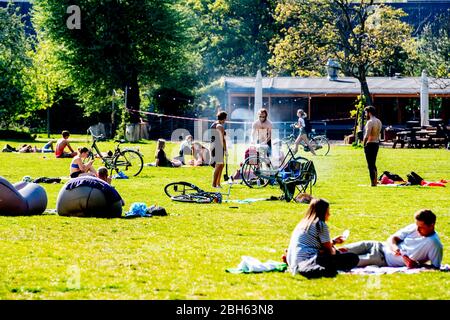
[(118, 45), (358, 34), (234, 35), (14, 61)]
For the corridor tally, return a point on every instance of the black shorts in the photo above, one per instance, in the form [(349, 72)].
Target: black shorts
[(75, 174)]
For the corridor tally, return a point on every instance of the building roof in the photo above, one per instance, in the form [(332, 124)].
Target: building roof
[(341, 86)]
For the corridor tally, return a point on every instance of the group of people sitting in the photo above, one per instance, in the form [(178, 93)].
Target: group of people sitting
[(312, 251), (200, 155)]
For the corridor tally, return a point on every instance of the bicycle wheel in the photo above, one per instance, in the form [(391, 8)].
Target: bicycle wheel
[(257, 172), (321, 145), (130, 162), (192, 198), (180, 188)]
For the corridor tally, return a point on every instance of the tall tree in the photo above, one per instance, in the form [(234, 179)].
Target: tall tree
[(432, 49), (359, 34), (14, 61), (115, 44), (45, 79), (234, 35)]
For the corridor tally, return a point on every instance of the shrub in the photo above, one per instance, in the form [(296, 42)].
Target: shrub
[(16, 135)]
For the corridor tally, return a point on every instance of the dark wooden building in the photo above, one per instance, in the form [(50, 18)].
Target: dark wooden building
[(397, 99)]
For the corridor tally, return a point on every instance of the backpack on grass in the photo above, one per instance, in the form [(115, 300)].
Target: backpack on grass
[(390, 175), (414, 178)]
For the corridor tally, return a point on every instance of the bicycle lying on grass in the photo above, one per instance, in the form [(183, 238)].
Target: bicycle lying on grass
[(126, 160), (187, 192)]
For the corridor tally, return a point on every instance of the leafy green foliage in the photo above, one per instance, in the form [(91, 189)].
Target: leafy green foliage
[(120, 44), (358, 114), (432, 50), (234, 35), (14, 61), (358, 34), (46, 78)]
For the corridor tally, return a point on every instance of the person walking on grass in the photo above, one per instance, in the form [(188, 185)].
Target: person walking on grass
[(303, 134), (371, 142)]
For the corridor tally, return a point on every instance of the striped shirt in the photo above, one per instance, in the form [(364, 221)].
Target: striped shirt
[(305, 244)]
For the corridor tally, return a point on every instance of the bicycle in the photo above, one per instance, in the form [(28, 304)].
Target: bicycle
[(257, 171), (320, 143), (187, 192), (126, 160)]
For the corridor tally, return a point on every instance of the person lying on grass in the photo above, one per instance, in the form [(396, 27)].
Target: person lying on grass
[(413, 246), (79, 168), (27, 148), (48, 147)]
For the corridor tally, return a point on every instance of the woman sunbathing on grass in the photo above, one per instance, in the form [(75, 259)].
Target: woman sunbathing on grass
[(311, 251), (27, 148), (79, 168)]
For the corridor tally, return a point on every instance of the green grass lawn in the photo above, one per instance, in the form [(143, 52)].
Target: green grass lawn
[(184, 255)]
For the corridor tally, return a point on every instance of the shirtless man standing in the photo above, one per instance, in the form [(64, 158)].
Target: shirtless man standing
[(61, 144), (371, 142), (262, 130)]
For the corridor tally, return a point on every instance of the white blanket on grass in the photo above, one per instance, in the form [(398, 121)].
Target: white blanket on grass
[(374, 270)]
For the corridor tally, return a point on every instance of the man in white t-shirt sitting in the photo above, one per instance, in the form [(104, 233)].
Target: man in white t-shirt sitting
[(413, 246)]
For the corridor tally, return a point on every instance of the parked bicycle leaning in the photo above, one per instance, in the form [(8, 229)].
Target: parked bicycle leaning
[(126, 160)]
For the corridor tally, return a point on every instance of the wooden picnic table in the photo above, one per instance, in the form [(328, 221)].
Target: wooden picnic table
[(420, 137)]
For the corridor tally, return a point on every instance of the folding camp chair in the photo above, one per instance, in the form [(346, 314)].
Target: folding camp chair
[(297, 175)]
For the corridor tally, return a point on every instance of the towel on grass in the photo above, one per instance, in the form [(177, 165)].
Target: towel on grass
[(375, 270), (253, 265), (249, 200)]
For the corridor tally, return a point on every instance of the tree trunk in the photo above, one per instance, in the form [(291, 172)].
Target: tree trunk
[(368, 99), (365, 90), (133, 99)]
